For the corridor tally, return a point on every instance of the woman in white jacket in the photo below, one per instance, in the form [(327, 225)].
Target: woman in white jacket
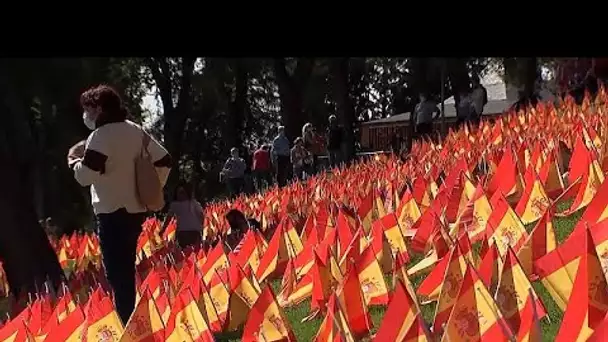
[(106, 162)]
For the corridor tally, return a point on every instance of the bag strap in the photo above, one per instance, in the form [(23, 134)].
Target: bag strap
[(145, 142)]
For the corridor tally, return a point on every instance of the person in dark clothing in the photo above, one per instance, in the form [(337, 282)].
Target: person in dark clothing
[(479, 98), (465, 111), (425, 113), (281, 153), (396, 143), (525, 100), (334, 142), (591, 83), (239, 225), (106, 163)]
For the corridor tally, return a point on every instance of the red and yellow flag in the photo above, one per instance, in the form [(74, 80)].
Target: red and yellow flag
[(146, 323), (186, 322), (513, 291), (266, 321), (475, 316), (588, 303), (402, 321)]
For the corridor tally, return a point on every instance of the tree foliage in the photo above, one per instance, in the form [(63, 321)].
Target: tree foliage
[(211, 104)]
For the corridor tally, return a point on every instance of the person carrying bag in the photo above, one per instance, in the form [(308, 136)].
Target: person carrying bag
[(126, 170)]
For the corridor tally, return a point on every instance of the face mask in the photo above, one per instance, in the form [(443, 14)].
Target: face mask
[(90, 123)]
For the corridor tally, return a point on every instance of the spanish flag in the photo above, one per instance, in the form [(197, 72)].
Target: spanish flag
[(266, 321), (504, 226), (529, 327), (489, 266), (449, 287), (475, 316), (557, 269), (243, 296), (70, 329), (588, 303), (365, 211), (402, 321), (409, 213), (534, 200), (186, 322), (352, 301), (540, 242), (371, 278), (145, 324), (513, 291), (334, 327), (102, 321)]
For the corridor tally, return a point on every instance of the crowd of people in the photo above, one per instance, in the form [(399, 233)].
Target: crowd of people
[(281, 161)]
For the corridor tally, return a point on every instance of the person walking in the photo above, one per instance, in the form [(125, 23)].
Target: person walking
[(465, 111), (234, 173), (334, 142), (425, 113), (309, 139), (316, 150), (478, 98), (300, 157), (188, 214), (262, 167), (106, 163), (280, 154)]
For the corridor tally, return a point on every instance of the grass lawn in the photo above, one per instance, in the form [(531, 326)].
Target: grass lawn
[(550, 326)]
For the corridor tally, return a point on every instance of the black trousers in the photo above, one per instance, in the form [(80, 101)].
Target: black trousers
[(118, 234), (263, 179), (235, 186), (424, 129), (189, 238), (283, 168)]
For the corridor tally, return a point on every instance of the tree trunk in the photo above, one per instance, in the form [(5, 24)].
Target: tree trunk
[(346, 109), (28, 258), (458, 75), (529, 72), (291, 89), (238, 106), (175, 116)]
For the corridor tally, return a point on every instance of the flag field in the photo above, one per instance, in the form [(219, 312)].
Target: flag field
[(306, 331), (496, 233)]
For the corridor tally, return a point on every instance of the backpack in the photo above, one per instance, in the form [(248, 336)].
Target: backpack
[(148, 185)]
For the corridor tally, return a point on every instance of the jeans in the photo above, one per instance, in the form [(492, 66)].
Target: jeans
[(118, 234)]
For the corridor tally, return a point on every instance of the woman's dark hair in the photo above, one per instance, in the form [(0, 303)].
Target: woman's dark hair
[(187, 188), (108, 100), (237, 220)]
